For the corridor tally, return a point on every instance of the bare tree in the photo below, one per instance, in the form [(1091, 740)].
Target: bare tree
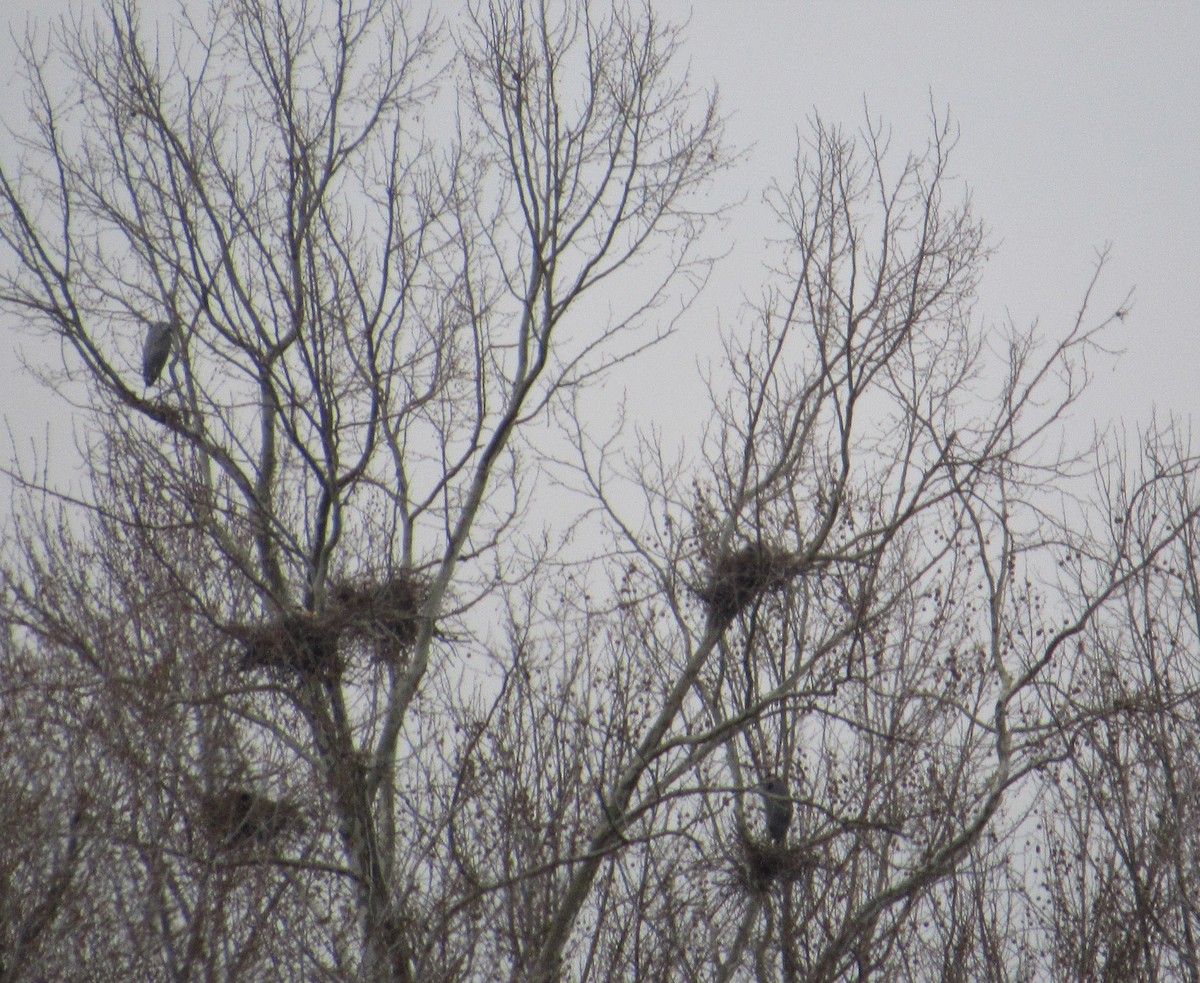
[(850, 590), (1119, 873), (369, 311), (303, 687)]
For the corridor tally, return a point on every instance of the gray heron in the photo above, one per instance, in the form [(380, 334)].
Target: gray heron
[(777, 806), (160, 337)]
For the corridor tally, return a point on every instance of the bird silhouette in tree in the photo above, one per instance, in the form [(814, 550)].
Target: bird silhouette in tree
[(160, 339), (777, 806)]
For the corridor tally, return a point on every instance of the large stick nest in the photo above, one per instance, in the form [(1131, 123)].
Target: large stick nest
[(389, 610), (737, 579), (762, 864), (239, 817), (298, 642), (385, 612)]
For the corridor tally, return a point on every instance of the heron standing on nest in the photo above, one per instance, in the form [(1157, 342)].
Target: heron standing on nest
[(777, 805)]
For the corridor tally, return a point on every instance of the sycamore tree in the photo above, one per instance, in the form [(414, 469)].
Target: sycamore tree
[(303, 681)]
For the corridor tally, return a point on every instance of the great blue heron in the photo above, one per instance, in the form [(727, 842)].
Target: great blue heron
[(777, 806), (160, 337)]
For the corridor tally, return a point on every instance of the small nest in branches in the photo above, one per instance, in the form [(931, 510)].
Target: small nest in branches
[(388, 610), (164, 413), (298, 643), (238, 817), (737, 579), (763, 864)]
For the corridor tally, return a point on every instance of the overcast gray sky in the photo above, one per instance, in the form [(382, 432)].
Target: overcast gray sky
[(1080, 127)]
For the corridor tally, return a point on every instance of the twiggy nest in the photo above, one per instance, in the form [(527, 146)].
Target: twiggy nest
[(164, 413), (737, 579), (389, 610), (763, 864), (298, 643), (238, 817)]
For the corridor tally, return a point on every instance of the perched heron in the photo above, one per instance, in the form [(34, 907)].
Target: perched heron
[(777, 806), (160, 337)]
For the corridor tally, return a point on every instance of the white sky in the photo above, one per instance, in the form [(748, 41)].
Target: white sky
[(1080, 126)]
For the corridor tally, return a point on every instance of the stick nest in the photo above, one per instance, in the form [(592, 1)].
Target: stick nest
[(298, 642), (239, 817), (386, 613), (390, 610), (762, 864), (737, 579)]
